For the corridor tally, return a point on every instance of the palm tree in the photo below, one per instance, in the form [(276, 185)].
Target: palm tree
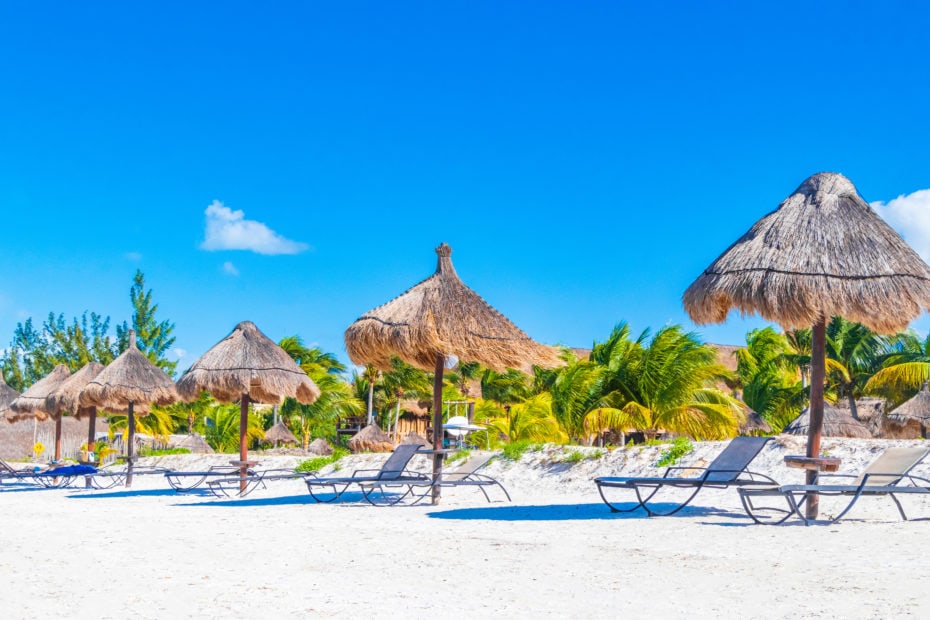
[(403, 380), (505, 388), (854, 354), (220, 427), (312, 360), (768, 373), (665, 385), (531, 420), (904, 369)]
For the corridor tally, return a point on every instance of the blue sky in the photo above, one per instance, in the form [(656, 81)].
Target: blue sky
[(295, 164)]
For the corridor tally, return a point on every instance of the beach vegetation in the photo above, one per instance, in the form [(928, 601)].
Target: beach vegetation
[(153, 337), (905, 368), (146, 451), (316, 464), (531, 420), (679, 447)]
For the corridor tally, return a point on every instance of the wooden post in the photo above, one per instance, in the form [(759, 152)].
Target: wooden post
[(818, 378), (58, 438), (437, 427), (91, 436), (132, 440), (243, 441)]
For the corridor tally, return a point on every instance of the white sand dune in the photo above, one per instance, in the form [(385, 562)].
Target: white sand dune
[(556, 551)]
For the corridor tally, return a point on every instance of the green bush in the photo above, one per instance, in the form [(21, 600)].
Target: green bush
[(515, 449), (162, 452), (318, 463), (680, 446)]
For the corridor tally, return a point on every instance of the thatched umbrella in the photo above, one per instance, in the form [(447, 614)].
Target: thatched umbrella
[(280, 433), (754, 423), (7, 396), (913, 414), (247, 366), (320, 446), (836, 423), (436, 320), (129, 385), (371, 439), (31, 403), (823, 252), (66, 398)]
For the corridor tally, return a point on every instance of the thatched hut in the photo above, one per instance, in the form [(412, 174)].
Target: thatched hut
[(435, 321), (415, 438), (823, 252), (754, 424), (129, 386), (836, 423), (247, 366), (7, 396), (371, 439), (280, 433), (31, 403), (911, 419), (66, 398), (320, 446)]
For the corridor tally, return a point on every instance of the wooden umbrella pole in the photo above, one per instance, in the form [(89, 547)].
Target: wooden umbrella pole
[(91, 436), (437, 427), (818, 378), (243, 441), (132, 440), (58, 438)]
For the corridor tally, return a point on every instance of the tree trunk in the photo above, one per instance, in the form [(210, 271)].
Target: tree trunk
[(853, 408), (371, 401), (58, 438), (243, 441), (129, 445)]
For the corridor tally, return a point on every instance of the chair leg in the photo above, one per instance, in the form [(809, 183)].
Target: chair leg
[(898, 504), (751, 511), (655, 513), (613, 508)]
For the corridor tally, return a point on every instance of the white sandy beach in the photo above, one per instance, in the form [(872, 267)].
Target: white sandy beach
[(556, 551)]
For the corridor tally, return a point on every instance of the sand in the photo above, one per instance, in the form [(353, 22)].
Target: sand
[(555, 551)]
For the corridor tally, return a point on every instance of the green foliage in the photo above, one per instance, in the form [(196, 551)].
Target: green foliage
[(770, 370), (531, 420), (146, 451), (221, 428), (34, 352), (455, 457), (153, 338), (514, 450), (680, 446), (575, 456), (316, 464)]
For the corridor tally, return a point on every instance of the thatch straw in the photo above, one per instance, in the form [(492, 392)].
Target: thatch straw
[(911, 419), (754, 423), (836, 423), (415, 438), (247, 362), (320, 446), (31, 403), (823, 252), (130, 378), (371, 439), (7, 396), (442, 316), (193, 442), (280, 433), (66, 398)]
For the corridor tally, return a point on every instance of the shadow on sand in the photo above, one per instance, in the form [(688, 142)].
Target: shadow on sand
[(566, 512), (90, 494)]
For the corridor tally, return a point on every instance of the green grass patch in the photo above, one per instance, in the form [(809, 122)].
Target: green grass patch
[(515, 449), (162, 451), (455, 457), (679, 447), (318, 463)]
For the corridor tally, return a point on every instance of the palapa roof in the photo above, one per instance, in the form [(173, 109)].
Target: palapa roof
[(836, 423), (370, 439), (31, 403), (280, 432), (916, 408), (7, 396), (441, 315), (754, 423), (823, 252), (66, 398), (131, 377), (247, 362)]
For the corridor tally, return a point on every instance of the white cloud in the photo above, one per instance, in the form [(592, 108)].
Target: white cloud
[(910, 216), (229, 268), (133, 256), (179, 352), (229, 230)]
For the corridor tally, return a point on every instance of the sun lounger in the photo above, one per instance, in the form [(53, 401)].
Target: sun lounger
[(467, 474), (109, 477), (728, 469), (183, 481), (375, 484), (8, 472), (230, 486), (882, 478)]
